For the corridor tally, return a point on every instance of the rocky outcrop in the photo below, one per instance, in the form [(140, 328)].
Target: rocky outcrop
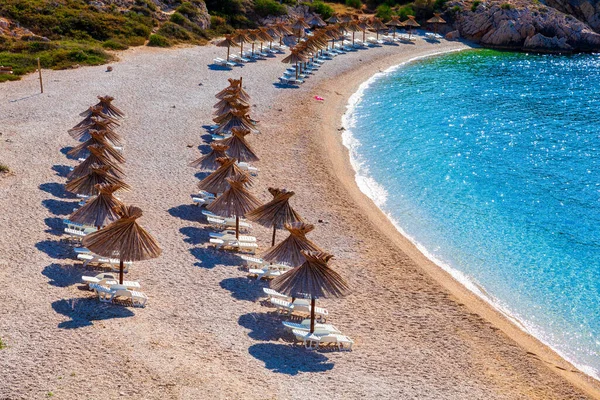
[(523, 26), (587, 11), (10, 29), (453, 35)]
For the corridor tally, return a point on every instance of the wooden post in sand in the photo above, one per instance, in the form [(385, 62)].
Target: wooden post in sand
[(40, 71)]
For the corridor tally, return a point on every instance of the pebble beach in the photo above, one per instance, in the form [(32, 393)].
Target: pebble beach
[(207, 331)]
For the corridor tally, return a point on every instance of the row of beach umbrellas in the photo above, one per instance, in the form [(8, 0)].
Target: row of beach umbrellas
[(310, 275), (97, 179)]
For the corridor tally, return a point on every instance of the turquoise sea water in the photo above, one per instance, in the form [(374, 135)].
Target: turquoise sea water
[(490, 161)]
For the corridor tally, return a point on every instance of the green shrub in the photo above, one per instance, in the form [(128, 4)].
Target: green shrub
[(354, 4), (158, 41), (269, 7), (404, 11), (188, 9), (324, 10), (384, 12), (3, 170), (456, 9), (439, 5), (172, 31), (177, 18), (475, 4), (505, 6), (112, 44)]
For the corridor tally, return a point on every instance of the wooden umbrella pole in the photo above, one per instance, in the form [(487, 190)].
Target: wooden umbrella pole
[(121, 268), (312, 314), (353, 38), (237, 227), (296, 69), (228, 52), (274, 233), (40, 72)]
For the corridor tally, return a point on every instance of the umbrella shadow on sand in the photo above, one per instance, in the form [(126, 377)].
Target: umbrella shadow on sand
[(243, 289), (210, 258), (280, 85), (289, 360), (195, 236), (201, 175), (55, 189), (65, 151), (61, 170), (58, 207), (84, 311), (263, 326), (54, 249), (216, 67), (55, 226), (60, 275), (186, 212)]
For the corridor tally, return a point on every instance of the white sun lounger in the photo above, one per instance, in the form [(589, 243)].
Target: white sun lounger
[(91, 258), (275, 294), (299, 307), (228, 235), (77, 234), (109, 279), (305, 326), (108, 295), (247, 167), (99, 277), (312, 341), (234, 245), (223, 63), (265, 273)]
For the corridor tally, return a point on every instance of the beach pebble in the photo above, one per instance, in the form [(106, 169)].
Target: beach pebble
[(109, 69)]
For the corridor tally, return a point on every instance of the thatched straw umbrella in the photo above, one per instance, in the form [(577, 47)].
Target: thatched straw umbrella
[(237, 147), (253, 37), (124, 239), (235, 118), (97, 124), (228, 42), (98, 138), (276, 213), (98, 174), (363, 24), (217, 181), (353, 27), (345, 18), (264, 35), (394, 23), (334, 19), (93, 112), (411, 23), (283, 31), (99, 156), (235, 86), (316, 22), (294, 58), (313, 278), (299, 26), (435, 20), (236, 201), (378, 26), (234, 108), (208, 162), (273, 32), (289, 251), (229, 102), (99, 211), (107, 108), (240, 38)]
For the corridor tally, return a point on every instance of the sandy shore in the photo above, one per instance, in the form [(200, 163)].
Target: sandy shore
[(205, 332)]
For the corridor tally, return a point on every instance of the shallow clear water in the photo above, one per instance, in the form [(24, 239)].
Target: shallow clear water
[(490, 161)]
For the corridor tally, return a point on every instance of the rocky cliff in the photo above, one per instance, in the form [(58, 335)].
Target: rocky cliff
[(523, 25)]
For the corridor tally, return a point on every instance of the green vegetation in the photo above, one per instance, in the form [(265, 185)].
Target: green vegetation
[(2, 344), (324, 10), (384, 12), (269, 7), (354, 4), (505, 6), (158, 41), (475, 4)]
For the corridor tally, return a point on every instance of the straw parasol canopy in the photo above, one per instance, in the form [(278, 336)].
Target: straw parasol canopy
[(99, 211), (283, 30), (235, 201), (229, 102), (235, 87), (378, 26), (363, 24), (98, 156), (276, 213), (313, 278), (353, 27), (228, 42), (241, 37), (107, 108), (94, 111), (289, 251), (346, 18), (98, 138), (317, 22), (334, 19), (235, 118), (394, 23), (411, 23), (208, 162), (97, 124), (124, 239), (299, 26), (435, 20), (294, 58), (217, 181), (237, 147), (98, 174)]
